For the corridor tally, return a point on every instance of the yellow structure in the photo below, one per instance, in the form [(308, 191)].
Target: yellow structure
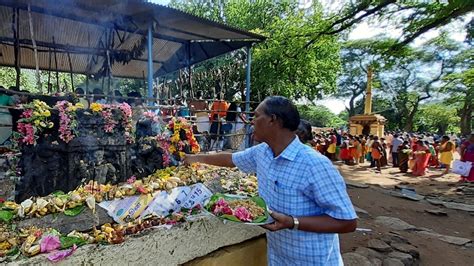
[(368, 123)]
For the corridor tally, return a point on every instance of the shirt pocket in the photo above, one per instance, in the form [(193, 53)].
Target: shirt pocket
[(288, 198)]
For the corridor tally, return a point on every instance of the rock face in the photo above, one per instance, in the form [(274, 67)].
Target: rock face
[(65, 224), (92, 155)]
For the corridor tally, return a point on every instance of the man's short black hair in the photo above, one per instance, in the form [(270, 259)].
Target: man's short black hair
[(284, 110)]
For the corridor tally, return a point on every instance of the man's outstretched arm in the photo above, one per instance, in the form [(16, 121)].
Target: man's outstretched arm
[(218, 159)]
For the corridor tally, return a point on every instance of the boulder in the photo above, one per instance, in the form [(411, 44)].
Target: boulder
[(394, 223), (459, 241), (392, 262), (405, 258), (391, 238), (379, 245), (405, 248), (355, 259), (369, 253)]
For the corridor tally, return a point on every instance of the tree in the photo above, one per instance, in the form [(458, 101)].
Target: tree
[(417, 75), (274, 71), (461, 89), (412, 17), (357, 56), (320, 116), (437, 117)]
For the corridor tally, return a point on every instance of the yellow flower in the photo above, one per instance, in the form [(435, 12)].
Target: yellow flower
[(181, 154), (37, 122), (172, 149), (175, 138), (46, 113), (96, 107), (50, 124)]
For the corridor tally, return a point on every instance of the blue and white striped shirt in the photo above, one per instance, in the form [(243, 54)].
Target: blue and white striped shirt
[(299, 182)]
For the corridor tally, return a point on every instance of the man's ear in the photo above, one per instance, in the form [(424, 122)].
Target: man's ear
[(272, 118)]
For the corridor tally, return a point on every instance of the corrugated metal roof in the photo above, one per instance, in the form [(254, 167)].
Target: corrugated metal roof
[(88, 29)]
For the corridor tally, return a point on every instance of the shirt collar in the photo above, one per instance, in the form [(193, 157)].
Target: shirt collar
[(290, 151)]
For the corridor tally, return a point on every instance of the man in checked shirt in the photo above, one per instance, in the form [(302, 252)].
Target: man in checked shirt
[(305, 192)]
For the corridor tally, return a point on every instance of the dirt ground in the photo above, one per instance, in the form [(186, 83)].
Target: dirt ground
[(377, 201)]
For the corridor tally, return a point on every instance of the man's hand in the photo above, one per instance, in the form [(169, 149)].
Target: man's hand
[(189, 159), (282, 221)]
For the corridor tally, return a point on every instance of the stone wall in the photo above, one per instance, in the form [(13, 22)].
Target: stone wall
[(161, 246), (93, 154)]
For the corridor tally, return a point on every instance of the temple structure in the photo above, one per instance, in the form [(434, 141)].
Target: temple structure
[(367, 123)]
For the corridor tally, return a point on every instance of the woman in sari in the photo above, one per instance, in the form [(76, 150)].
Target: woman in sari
[(446, 153), (376, 152), (345, 154), (434, 161), (422, 156), (403, 156), (467, 155), (356, 149)]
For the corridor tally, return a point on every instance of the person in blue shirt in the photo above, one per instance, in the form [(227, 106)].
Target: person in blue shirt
[(304, 191)]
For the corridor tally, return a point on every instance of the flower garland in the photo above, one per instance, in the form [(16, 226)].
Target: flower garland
[(127, 120), (34, 119), (172, 143), (105, 110), (67, 119)]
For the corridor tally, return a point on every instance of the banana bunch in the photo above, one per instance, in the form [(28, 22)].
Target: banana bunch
[(109, 233), (31, 237), (8, 239), (86, 237)]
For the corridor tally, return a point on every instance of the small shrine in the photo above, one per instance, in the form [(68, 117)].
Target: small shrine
[(367, 123)]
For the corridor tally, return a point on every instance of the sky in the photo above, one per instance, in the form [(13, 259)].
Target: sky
[(363, 30)]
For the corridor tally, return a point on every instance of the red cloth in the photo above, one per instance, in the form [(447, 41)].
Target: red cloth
[(469, 157), (421, 161), (345, 154)]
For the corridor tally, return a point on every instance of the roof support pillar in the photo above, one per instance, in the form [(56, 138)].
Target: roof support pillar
[(247, 79), (247, 94), (150, 63)]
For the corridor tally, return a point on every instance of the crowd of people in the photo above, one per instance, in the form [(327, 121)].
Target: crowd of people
[(415, 152)]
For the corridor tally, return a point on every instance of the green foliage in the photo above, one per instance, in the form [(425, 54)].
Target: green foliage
[(437, 117), (28, 79), (278, 67), (320, 116)]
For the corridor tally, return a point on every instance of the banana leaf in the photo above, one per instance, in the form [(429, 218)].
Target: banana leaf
[(6, 216), (258, 200), (69, 241), (74, 211)]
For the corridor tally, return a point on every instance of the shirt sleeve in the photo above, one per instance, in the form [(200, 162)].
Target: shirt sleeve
[(246, 160), (328, 189)]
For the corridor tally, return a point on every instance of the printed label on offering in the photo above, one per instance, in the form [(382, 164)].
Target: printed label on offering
[(199, 194), (161, 203)]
